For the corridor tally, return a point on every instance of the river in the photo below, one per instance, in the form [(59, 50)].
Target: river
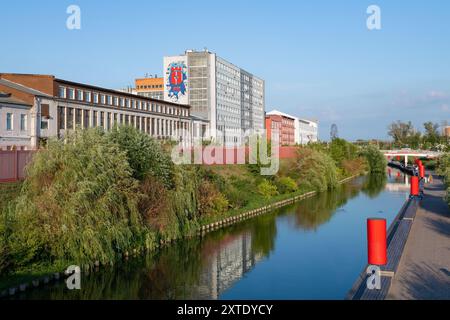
[(314, 249)]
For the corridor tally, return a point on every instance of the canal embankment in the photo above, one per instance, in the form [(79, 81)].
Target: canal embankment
[(22, 283)]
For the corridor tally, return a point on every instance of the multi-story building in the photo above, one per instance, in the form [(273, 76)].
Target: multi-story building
[(284, 124), (150, 87), (230, 98), (52, 107), (292, 130)]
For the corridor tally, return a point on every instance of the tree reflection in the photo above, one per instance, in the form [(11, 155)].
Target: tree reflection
[(374, 185), (313, 212)]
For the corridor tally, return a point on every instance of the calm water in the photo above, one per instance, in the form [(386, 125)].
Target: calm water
[(311, 250)]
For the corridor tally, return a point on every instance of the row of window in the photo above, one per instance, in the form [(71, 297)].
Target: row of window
[(110, 100), (153, 86), (72, 117), (9, 125)]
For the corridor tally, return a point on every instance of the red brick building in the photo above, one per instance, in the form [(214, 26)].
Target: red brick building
[(284, 124)]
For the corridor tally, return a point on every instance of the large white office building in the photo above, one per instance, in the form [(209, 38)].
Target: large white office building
[(230, 98)]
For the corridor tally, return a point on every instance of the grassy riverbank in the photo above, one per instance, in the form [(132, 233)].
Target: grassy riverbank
[(98, 195)]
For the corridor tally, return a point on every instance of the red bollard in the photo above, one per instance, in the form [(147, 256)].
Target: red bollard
[(376, 241), (414, 186), (422, 171)]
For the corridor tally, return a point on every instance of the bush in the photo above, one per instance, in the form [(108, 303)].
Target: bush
[(145, 155), (286, 185), (211, 201), (316, 170), (375, 159), (78, 203), (267, 189)]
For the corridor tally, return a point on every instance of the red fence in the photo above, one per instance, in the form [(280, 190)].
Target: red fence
[(12, 164)]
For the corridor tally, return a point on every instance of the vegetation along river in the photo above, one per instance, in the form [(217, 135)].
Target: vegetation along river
[(313, 249)]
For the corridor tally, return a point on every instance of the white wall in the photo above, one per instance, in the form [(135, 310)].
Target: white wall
[(15, 137)]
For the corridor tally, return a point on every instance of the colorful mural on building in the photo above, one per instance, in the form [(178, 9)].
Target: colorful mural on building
[(176, 80)]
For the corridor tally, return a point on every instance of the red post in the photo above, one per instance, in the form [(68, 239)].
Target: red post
[(422, 171), (414, 186), (376, 241)]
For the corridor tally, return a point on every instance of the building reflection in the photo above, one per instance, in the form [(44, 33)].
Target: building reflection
[(231, 260)]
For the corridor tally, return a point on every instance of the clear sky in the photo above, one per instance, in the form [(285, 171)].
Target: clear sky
[(318, 58)]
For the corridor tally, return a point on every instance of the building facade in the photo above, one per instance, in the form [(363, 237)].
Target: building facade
[(230, 98), (285, 124), (292, 130), (150, 87), (14, 123), (307, 131), (58, 106)]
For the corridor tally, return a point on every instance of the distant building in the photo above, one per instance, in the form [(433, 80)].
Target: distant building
[(292, 130), (447, 131), (231, 98), (284, 123), (150, 87), (34, 108), (306, 131), (128, 89)]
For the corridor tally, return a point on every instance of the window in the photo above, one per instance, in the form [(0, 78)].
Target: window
[(86, 119), (9, 121), (109, 100), (44, 125), (23, 122), (102, 99), (71, 93), (87, 96), (116, 101), (102, 119), (45, 110), (95, 97), (78, 117), (79, 95), (122, 102), (62, 92), (69, 118), (61, 118)]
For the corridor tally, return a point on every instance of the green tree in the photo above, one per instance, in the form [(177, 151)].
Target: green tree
[(401, 132), (144, 154), (375, 159)]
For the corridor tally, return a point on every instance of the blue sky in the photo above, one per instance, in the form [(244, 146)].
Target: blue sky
[(317, 57)]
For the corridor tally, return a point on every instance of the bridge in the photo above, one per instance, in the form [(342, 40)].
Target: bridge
[(406, 153)]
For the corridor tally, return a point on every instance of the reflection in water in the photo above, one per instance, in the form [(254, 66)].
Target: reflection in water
[(213, 266)]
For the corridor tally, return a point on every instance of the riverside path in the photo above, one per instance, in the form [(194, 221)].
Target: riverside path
[(424, 269)]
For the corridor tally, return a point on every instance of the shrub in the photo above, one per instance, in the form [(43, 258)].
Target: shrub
[(78, 203), (153, 204), (286, 185), (375, 159), (145, 155), (267, 189), (211, 201), (316, 170)]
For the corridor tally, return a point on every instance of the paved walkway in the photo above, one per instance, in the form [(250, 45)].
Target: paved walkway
[(424, 270)]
